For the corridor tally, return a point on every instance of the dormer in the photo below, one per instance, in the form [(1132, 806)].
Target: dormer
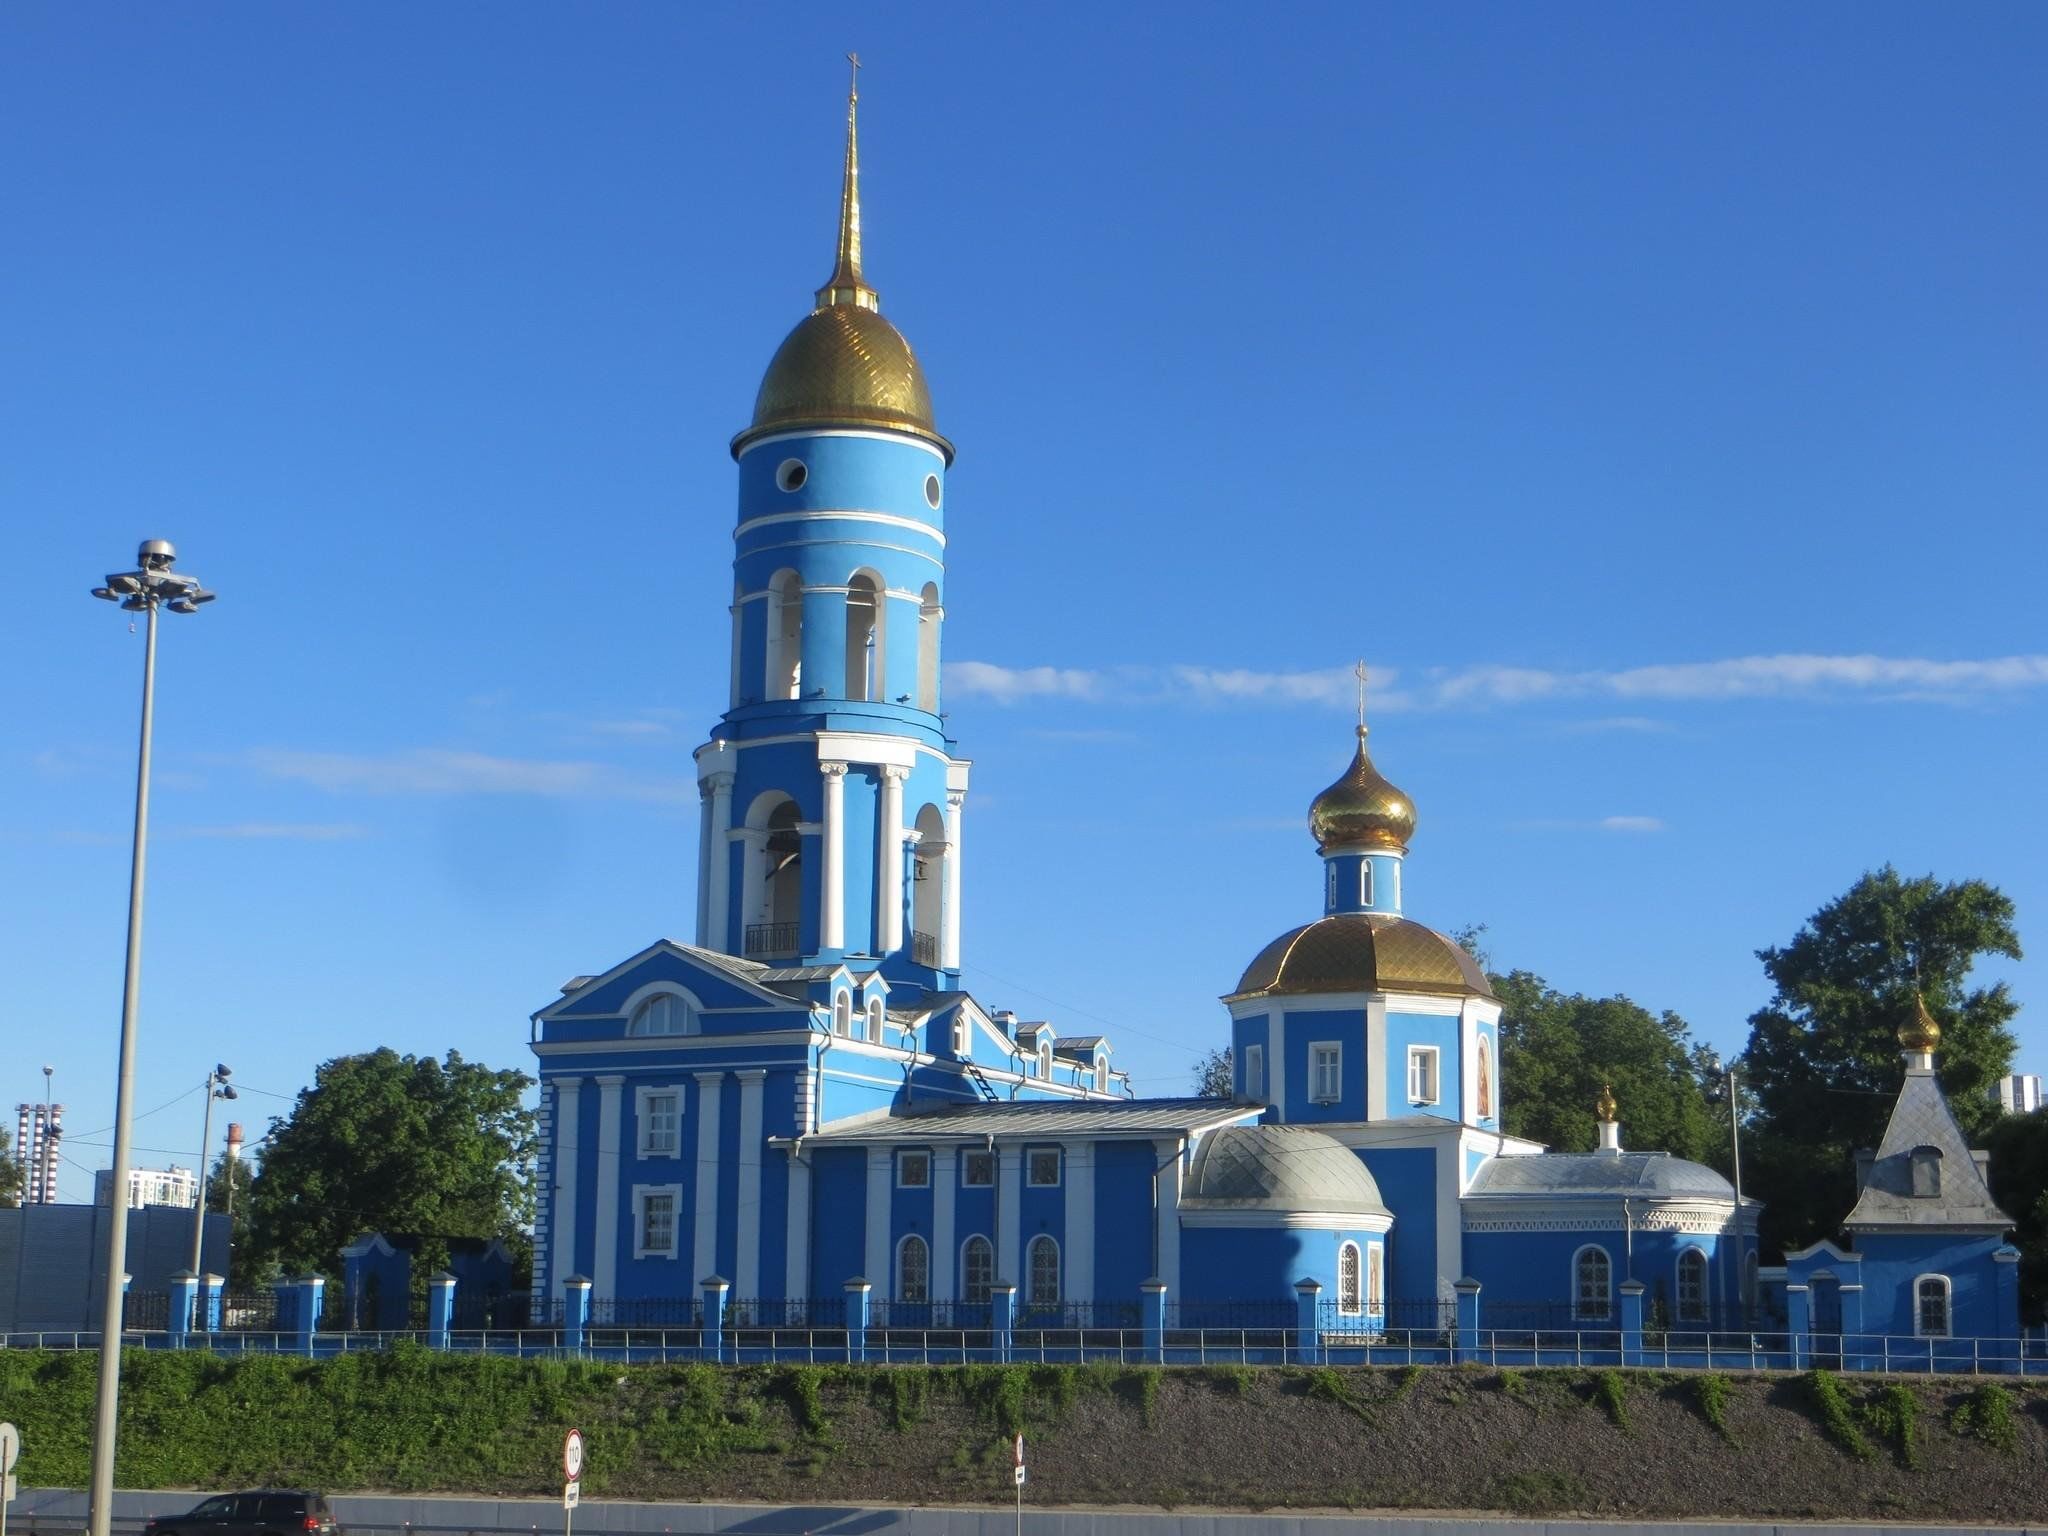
[(1926, 1166)]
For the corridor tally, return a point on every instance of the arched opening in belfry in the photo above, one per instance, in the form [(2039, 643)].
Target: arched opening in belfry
[(785, 636), (772, 900), (864, 636), (928, 886), (928, 616), (785, 867)]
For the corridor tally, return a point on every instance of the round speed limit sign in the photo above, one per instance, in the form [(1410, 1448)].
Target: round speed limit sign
[(572, 1455)]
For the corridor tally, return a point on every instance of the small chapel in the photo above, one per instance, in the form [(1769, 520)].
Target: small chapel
[(801, 1095)]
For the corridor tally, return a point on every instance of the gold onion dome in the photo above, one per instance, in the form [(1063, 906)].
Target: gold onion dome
[(844, 365), (1604, 1106), (1362, 811), (1922, 1032)]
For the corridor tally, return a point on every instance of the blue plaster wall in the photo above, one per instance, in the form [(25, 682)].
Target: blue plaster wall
[(1345, 1026), (1407, 1180), (1891, 1265), (1123, 1218), (1410, 1029), (839, 1198)]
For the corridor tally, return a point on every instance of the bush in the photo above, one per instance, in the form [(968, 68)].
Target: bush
[(1837, 1414), (1988, 1414), (1710, 1395), (1610, 1391), (1892, 1411)]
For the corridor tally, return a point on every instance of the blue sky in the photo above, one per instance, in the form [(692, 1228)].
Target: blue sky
[(1654, 395)]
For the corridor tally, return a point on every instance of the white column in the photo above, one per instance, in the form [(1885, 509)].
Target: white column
[(746, 1274), (949, 941), (718, 886), (832, 863), (1077, 1260), (1010, 1215), (945, 1260), (707, 855), (704, 1233), (1167, 1151), (881, 1274), (604, 1263), (1378, 1067), (568, 1093), (753, 886), (796, 1264), (889, 863), (1276, 1060)]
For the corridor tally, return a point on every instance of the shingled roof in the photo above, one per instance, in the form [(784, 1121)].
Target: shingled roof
[(1922, 1124)]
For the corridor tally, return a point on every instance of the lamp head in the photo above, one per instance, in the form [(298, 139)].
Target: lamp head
[(222, 1072), (124, 586), (155, 554), (227, 1092)]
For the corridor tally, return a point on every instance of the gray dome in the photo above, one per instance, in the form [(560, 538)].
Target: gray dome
[(1279, 1168), (1656, 1174)]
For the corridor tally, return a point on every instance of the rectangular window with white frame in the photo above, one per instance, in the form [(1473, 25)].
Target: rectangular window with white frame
[(913, 1169), (1042, 1167), (1422, 1074), (1255, 1073), (1325, 1072), (659, 1112), (654, 1220), (977, 1170)]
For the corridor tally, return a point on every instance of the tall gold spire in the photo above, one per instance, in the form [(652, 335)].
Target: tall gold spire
[(845, 285)]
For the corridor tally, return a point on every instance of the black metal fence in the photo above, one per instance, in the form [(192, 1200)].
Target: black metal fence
[(771, 941)]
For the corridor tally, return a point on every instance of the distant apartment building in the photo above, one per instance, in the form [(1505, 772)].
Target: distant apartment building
[(2019, 1093), (149, 1186)]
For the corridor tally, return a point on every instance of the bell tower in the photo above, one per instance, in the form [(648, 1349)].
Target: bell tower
[(832, 798)]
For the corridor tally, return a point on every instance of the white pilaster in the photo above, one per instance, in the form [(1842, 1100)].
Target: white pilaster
[(796, 1267), (704, 1229), (949, 941), (568, 1096), (707, 854), (604, 1262), (881, 1272), (945, 1260), (718, 884), (832, 866), (1276, 1063), (746, 1274), (1009, 1214), (1078, 1255), (1167, 1152), (889, 862), (1378, 1067), (753, 884)]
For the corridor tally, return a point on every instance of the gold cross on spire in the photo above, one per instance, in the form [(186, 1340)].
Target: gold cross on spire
[(1359, 672), (853, 89)]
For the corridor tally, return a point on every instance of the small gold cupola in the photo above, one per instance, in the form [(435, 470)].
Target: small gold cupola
[(1920, 1035), (1362, 812), (1607, 1112)]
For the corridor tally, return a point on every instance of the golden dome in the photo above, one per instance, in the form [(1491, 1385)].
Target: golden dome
[(1362, 812), (1922, 1032), (1362, 952), (844, 365)]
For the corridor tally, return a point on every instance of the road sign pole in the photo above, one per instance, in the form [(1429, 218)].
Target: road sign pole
[(10, 1451)]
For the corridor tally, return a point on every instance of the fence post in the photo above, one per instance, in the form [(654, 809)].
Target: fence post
[(859, 1308), (712, 1333), (1308, 1321), (440, 1309), (178, 1321), (575, 1311), (1468, 1319), (1002, 1309), (210, 1288), (1631, 1322), (285, 1319), (311, 1287), (1795, 1322), (1153, 1306)]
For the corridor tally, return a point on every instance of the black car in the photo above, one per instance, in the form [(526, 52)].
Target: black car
[(260, 1512)]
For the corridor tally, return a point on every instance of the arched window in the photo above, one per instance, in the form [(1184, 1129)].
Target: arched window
[(663, 1014), (866, 620), (1365, 882), (1045, 1058), (775, 880), (928, 615), (1931, 1318), (1592, 1277), (1045, 1272), (977, 1271), (875, 1020), (1102, 1071), (842, 1013), (1483, 1086), (913, 1270), (1692, 1286), (1350, 1285), (928, 886), (785, 636)]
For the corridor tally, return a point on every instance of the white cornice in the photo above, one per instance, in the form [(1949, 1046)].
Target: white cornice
[(878, 437), (842, 515), (1316, 1221)]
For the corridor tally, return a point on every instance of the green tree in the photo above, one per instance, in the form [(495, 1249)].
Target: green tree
[(237, 1209), (13, 1180), (399, 1144), (1214, 1075), (1823, 1054), (1559, 1049), (2019, 1182)]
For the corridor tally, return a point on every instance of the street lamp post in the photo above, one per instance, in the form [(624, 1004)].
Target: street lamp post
[(151, 586), (216, 1088), (1730, 1076)]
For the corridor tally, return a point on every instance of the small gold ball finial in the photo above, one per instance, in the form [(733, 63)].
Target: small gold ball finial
[(1921, 1033), (1604, 1106)]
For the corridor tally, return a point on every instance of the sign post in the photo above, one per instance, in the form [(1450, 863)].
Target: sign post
[(1019, 1473), (572, 1473), (10, 1452)]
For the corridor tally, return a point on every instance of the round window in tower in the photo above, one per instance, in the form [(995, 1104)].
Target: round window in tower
[(931, 491), (790, 475)]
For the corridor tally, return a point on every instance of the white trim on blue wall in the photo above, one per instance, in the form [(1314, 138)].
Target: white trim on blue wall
[(747, 1258), (704, 1229), (611, 1152)]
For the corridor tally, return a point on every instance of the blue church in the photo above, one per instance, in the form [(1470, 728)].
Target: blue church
[(802, 1095)]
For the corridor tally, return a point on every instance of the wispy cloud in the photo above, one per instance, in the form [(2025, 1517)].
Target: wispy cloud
[(1739, 677), (1631, 824), (436, 771), (1615, 724), (276, 831), (1625, 824)]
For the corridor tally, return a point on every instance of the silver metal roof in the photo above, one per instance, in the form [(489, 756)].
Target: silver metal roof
[(1081, 1117), (1921, 1118), (1652, 1174), (1279, 1168)]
